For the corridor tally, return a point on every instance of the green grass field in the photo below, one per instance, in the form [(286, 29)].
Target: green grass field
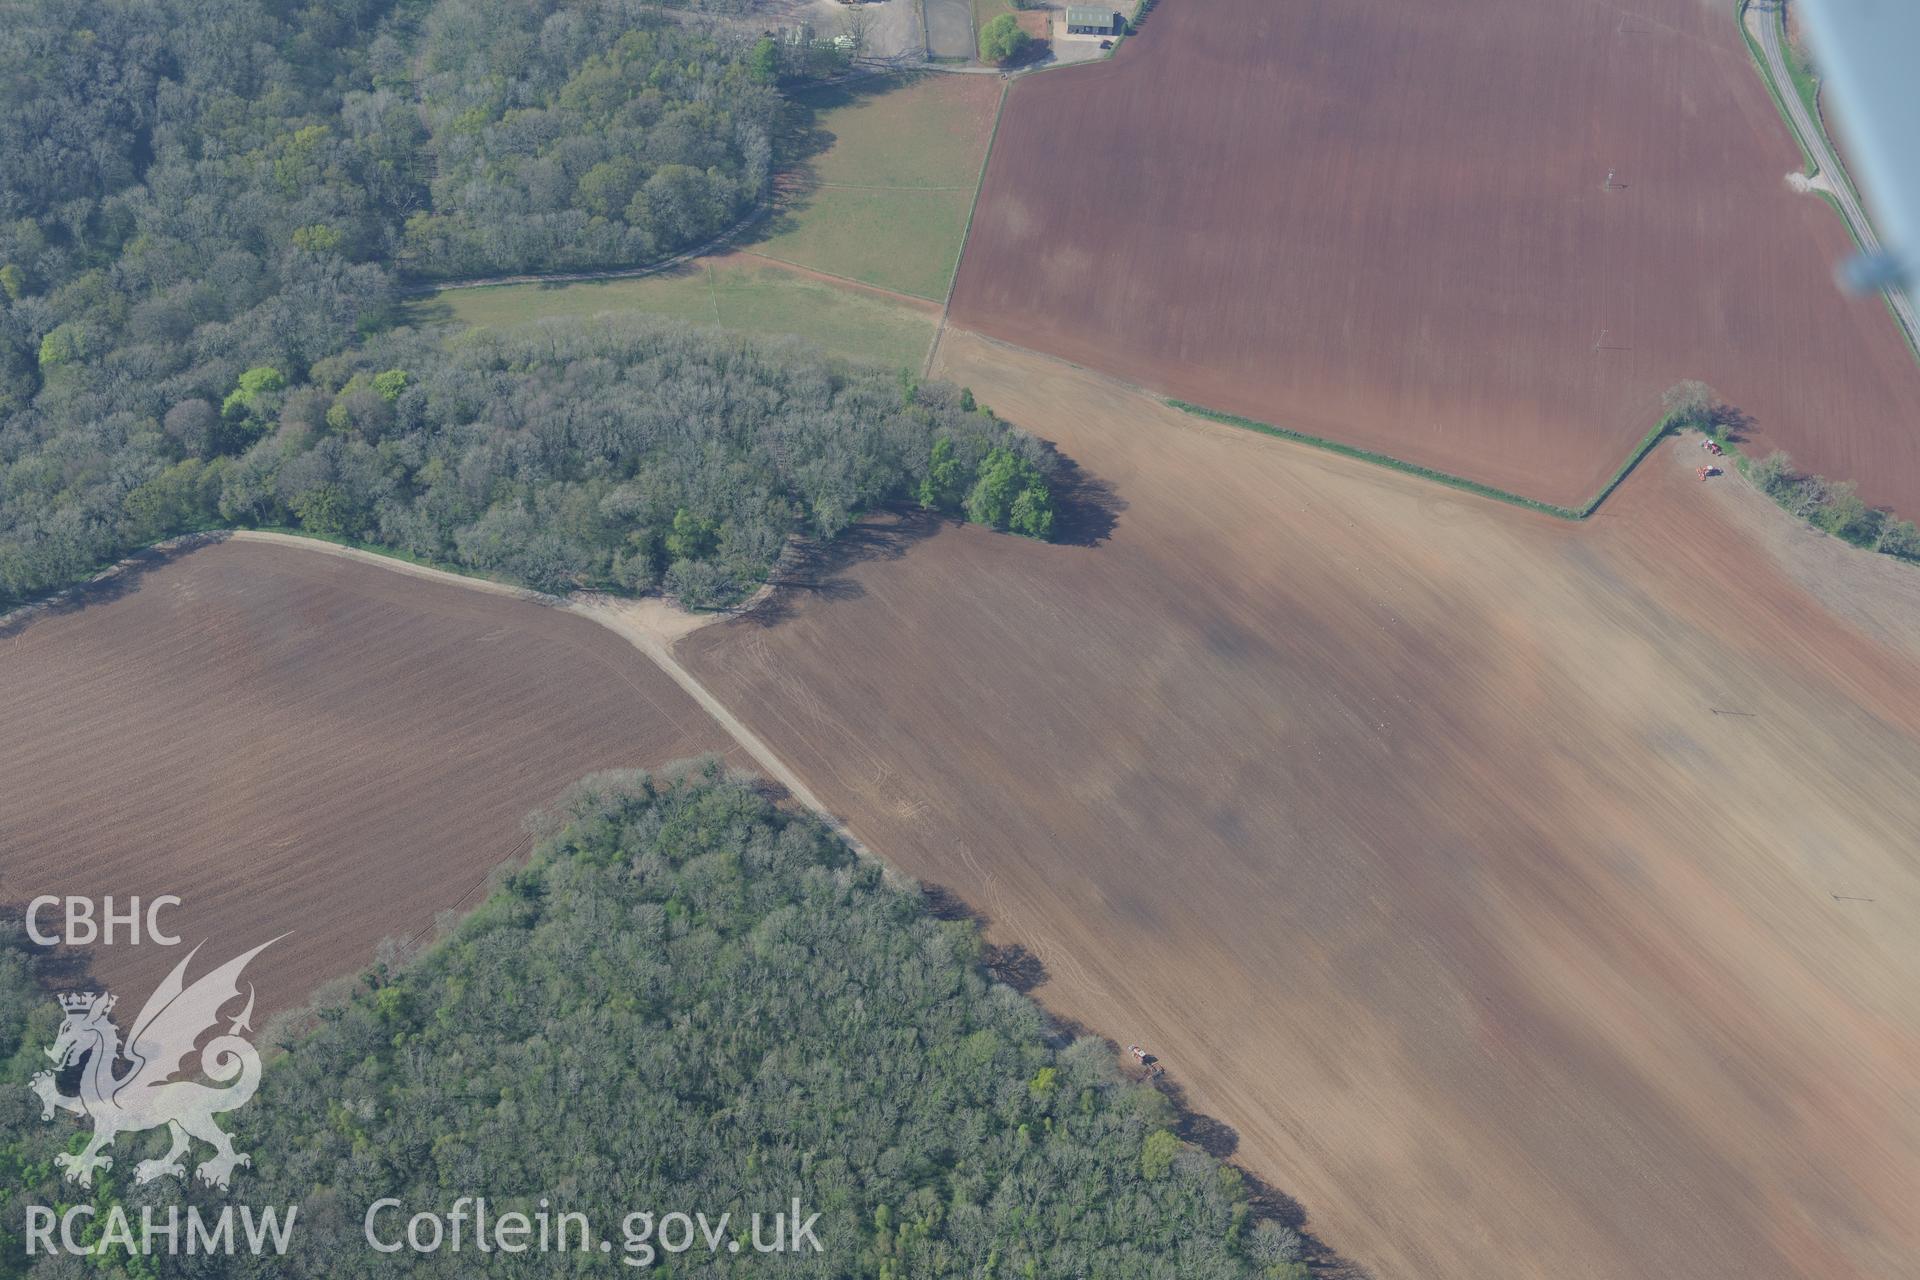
[(904, 240), (736, 294), (881, 195), (887, 177)]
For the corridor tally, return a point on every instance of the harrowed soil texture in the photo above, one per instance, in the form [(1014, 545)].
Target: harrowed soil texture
[(1389, 225), (293, 741), (1473, 868)]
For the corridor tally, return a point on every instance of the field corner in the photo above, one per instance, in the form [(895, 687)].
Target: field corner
[(1633, 459)]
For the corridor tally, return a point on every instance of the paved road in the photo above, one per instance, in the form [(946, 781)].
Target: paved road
[(1763, 20)]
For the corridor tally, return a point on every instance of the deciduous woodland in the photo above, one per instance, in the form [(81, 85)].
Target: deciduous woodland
[(615, 452), (691, 1000), (205, 211)]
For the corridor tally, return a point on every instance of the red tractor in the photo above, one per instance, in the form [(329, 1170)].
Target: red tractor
[(1145, 1059)]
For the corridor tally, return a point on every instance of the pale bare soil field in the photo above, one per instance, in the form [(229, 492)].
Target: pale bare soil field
[(1477, 868), (1390, 224), (291, 740)]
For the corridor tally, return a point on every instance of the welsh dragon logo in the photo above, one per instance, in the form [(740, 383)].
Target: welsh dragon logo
[(147, 1094)]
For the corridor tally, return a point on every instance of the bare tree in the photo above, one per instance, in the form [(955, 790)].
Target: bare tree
[(855, 31), (1773, 473), (1689, 403)]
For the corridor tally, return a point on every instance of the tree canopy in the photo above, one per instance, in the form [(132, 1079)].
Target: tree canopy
[(621, 453), (689, 999), (207, 208), (1002, 41)]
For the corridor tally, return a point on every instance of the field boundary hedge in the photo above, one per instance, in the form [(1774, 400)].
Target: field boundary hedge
[(979, 183), (1653, 437)]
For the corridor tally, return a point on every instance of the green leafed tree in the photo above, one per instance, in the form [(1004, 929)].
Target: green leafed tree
[(1010, 493), (391, 383), (63, 344), (1845, 516), (324, 511), (254, 385), (692, 536), (942, 487), (1002, 41), (1032, 514), (1157, 1153), (763, 61)]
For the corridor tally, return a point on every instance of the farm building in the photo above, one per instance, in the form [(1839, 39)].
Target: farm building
[(1091, 20)]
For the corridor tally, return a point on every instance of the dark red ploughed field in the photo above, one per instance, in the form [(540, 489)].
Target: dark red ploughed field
[(1391, 224)]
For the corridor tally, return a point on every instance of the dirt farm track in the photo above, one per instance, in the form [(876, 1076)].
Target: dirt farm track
[(290, 740), (1403, 825), (1527, 899), (1389, 223)]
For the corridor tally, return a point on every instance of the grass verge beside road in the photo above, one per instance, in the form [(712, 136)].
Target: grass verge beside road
[(1807, 163)]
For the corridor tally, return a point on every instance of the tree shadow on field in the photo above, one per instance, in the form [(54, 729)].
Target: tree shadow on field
[(123, 579), (55, 968), (1267, 1202), (1735, 423), (1017, 967), (1009, 963), (1139, 19), (1221, 1141), (1086, 511), (810, 569), (1085, 507), (1038, 49)]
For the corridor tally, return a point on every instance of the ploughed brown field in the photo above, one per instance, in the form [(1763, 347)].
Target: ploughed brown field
[(291, 740), (1387, 223), (1475, 867)]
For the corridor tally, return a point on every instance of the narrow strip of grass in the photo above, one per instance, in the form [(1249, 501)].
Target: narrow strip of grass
[(953, 276), (1442, 477), (1806, 85), (1801, 73)]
